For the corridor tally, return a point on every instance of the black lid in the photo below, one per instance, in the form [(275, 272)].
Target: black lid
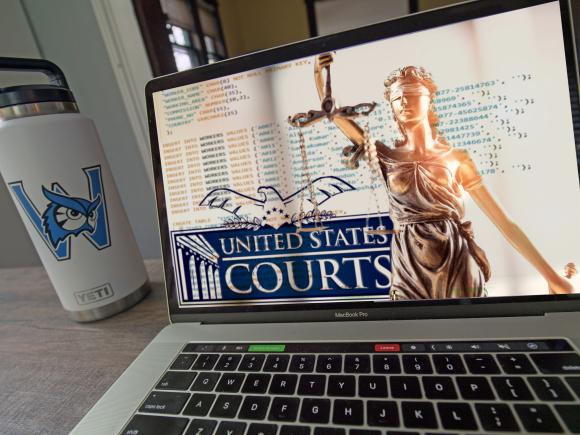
[(58, 89), (27, 94)]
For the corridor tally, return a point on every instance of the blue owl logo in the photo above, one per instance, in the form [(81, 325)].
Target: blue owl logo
[(68, 216)]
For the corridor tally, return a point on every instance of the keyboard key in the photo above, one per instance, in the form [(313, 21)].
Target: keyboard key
[(254, 407), (419, 415), (417, 364), (201, 427), (262, 429), (574, 383), (329, 363), (343, 386), (228, 362), (496, 417), (312, 385), (183, 361), (154, 425), (538, 418), (199, 405), (284, 409), (226, 406), (276, 363), (302, 363), (388, 364), (364, 432), (405, 387), (456, 416), (295, 430), (382, 413), (372, 386), (516, 364), (205, 361), (230, 383), (205, 381), (571, 416), (256, 383), (512, 388), (329, 431), (283, 384), (231, 428), (557, 363), (199, 347), (448, 364), (481, 364), (474, 388), (439, 387), (315, 411), (550, 388), (161, 402), (349, 412), (357, 364), (176, 381), (252, 363)]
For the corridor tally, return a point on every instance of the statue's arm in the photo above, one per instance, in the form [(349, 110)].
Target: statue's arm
[(350, 128), (510, 230)]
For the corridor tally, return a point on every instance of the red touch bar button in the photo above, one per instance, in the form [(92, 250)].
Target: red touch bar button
[(387, 347)]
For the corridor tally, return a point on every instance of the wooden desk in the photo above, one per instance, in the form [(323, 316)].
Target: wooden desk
[(52, 369)]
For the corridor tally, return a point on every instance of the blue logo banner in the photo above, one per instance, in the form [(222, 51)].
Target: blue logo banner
[(349, 258)]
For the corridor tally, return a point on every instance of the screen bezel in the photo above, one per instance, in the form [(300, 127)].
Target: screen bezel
[(307, 311)]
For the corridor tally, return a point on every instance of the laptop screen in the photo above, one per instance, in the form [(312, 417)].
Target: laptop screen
[(438, 164)]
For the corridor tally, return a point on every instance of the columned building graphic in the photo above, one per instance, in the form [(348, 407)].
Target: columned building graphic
[(198, 268)]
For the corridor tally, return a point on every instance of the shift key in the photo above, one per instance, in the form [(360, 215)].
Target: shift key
[(557, 363)]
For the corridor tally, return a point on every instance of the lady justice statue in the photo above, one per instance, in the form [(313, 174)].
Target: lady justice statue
[(434, 254)]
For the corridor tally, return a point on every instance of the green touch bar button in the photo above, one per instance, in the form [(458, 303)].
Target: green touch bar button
[(267, 348)]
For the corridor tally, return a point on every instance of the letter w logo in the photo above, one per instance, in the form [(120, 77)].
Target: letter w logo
[(65, 216)]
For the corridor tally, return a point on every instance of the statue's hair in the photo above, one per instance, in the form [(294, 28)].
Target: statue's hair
[(413, 74)]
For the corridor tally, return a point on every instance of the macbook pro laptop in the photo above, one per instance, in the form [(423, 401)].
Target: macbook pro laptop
[(369, 233)]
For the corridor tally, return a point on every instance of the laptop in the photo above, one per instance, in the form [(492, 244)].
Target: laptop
[(369, 233)]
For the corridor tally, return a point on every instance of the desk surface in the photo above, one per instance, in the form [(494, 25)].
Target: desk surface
[(52, 369)]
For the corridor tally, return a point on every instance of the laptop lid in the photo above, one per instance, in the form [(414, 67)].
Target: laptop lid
[(422, 167)]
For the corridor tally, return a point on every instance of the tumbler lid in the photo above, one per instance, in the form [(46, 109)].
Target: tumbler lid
[(57, 90), (29, 94)]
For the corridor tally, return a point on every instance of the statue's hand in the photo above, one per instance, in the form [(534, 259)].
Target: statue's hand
[(560, 285), (322, 61)]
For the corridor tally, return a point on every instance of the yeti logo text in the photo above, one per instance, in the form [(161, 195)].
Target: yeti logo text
[(65, 216), (93, 295)]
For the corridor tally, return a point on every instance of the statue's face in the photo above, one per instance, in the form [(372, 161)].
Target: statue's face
[(410, 104)]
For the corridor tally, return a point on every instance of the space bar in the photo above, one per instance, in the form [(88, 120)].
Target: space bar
[(155, 425)]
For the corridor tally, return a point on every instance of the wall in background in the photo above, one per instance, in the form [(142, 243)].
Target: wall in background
[(337, 15), (67, 33), (259, 24), (423, 5), (16, 40)]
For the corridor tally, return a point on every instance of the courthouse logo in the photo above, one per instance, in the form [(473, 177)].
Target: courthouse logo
[(66, 216)]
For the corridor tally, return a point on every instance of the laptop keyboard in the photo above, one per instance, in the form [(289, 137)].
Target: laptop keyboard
[(365, 389)]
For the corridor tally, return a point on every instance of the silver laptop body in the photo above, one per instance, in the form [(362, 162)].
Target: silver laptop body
[(297, 207)]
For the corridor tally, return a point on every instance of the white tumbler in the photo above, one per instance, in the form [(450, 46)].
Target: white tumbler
[(55, 169)]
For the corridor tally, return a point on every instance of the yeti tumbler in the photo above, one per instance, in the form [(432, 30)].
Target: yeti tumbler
[(57, 174)]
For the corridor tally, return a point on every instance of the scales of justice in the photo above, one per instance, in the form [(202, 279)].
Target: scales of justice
[(329, 110)]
